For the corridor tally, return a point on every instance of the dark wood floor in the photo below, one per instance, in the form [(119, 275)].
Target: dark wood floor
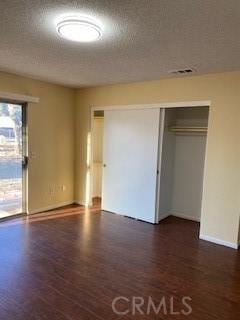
[(71, 263)]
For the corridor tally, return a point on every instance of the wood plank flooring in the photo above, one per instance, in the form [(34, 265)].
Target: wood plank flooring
[(71, 263)]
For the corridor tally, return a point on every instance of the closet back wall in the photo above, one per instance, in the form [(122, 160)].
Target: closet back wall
[(188, 176), (183, 158), (189, 159)]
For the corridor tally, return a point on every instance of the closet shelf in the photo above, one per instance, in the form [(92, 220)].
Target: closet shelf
[(188, 129)]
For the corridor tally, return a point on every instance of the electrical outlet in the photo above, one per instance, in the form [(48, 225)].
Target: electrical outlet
[(55, 189)]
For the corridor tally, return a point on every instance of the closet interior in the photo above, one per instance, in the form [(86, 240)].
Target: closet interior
[(182, 162)]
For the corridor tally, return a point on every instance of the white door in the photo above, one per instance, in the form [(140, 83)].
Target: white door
[(130, 157)]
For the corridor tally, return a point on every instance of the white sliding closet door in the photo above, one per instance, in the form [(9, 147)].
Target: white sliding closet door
[(130, 157)]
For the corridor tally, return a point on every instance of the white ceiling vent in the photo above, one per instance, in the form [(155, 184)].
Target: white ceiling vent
[(181, 71)]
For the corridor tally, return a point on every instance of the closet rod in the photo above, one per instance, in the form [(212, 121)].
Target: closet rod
[(187, 129)]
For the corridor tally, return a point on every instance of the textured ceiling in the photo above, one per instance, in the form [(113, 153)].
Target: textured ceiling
[(142, 39)]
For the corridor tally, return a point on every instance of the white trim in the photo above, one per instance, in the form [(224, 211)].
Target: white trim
[(80, 202), (15, 97), (201, 103), (91, 160), (163, 217), (51, 207), (159, 165), (185, 216), (219, 241)]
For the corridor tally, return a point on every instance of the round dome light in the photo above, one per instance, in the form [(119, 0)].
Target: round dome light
[(79, 29)]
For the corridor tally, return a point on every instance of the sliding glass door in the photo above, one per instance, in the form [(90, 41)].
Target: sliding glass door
[(12, 159)]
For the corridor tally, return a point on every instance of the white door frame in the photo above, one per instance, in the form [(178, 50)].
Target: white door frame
[(185, 104), (159, 163)]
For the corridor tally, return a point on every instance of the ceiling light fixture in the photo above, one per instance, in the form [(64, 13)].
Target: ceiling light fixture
[(80, 29)]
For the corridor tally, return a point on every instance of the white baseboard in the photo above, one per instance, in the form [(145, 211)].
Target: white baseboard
[(51, 207), (184, 216), (80, 202), (163, 216), (219, 241)]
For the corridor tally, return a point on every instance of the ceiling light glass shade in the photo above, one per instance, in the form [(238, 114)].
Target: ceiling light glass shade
[(79, 29)]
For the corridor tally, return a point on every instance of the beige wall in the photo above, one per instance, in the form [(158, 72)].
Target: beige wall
[(51, 138), (221, 197)]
